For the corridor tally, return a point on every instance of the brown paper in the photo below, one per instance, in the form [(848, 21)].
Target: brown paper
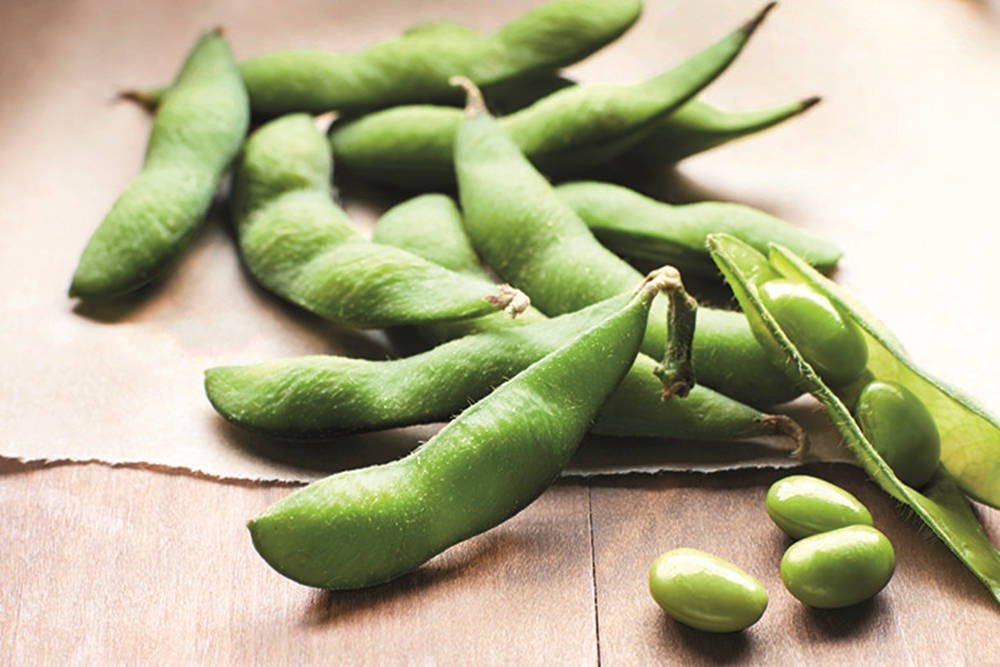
[(897, 165)]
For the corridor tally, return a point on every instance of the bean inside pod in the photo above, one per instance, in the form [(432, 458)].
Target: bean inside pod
[(970, 436)]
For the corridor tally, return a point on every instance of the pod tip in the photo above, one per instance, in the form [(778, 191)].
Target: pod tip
[(752, 24), (810, 102), (474, 103)]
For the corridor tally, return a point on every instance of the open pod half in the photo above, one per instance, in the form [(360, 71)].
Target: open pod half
[(970, 437)]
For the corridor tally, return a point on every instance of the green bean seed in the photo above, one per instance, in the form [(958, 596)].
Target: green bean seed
[(831, 343), (634, 225), (838, 568), (417, 66), (706, 592), (363, 527), (901, 430), (568, 131), (302, 246), (803, 505), (196, 134), (536, 241)]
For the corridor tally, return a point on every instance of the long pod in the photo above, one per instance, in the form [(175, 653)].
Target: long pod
[(698, 126), (633, 225), (302, 246), (416, 66), (970, 436), (321, 396), (537, 242), (363, 527), (197, 132), (570, 130)]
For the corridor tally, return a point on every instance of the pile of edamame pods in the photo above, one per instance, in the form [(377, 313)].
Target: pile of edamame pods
[(575, 339)]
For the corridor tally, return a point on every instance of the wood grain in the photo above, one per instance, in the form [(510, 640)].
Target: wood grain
[(132, 566), (933, 610), (127, 566)]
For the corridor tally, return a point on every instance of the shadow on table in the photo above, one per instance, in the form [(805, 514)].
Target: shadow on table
[(467, 565)]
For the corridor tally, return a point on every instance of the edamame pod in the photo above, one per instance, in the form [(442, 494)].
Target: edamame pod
[(302, 246), (322, 396), (633, 225), (416, 67), (568, 131), (698, 126), (537, 242), (695, 127), (196, 134), (970, 436), (363, 527)]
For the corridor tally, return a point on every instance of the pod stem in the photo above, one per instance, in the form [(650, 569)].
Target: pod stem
[(147, 99), (785, 425), (676, 371), (474, 103), (512, 300)]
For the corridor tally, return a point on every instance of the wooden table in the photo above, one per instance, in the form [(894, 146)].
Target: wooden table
[(133, 566), (151, 564)]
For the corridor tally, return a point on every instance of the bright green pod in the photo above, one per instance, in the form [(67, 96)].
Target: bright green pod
[(321, 396), (633, 225), (838, 568), (831, 343), (706, 592), (803, 505), (299, 244), (570, 130), (698, 126), (364, 527), (416, 67), (901, 429), (970, 436), (196, 133), (537, 242), (695, 127)]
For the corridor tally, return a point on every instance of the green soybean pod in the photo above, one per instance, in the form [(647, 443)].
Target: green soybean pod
[(430, 226), (698, 126), (302, 246), (537, 242), (803, 505), (901, 430), (320, 396), (196, 134), (706, 592), (363, 527), (416, 67), (969, 435), (838, 568), (570, 130), (633, 225), (830, 341)]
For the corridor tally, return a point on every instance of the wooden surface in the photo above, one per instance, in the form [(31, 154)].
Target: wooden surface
[(150, 565), (128, 566)]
